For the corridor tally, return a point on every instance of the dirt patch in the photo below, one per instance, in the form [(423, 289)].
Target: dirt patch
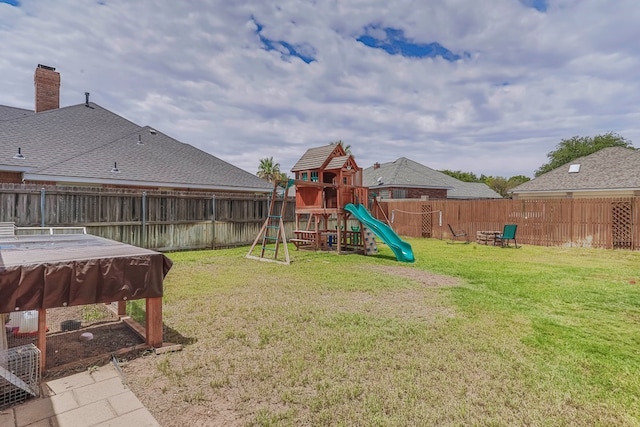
[(419, 303), (223, 379), (424, 277)]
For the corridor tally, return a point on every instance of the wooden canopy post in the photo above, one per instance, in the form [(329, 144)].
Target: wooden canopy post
[(42, 337), (153, 334)]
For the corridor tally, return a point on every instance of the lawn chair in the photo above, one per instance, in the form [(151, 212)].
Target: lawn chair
[(456, 234), (508, 233)]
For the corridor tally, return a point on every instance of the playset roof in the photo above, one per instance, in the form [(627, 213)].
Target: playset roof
[(317, 158)]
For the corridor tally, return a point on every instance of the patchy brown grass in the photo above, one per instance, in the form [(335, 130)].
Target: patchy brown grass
[(344, 340)]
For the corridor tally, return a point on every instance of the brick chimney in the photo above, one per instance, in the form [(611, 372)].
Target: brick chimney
[(47, 83), (376, 165)]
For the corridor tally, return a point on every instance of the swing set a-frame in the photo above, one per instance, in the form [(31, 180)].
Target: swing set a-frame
[(272, 234)]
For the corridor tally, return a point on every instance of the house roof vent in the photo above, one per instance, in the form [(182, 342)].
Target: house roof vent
[(574, 168), (19, 154), (115, 169)]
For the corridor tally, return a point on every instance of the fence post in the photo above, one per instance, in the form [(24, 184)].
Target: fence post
[(213, 221), (144, 219), (42, 206), (571, 222)]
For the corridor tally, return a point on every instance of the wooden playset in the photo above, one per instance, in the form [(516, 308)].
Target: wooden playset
[(327, 179), (330, 211)]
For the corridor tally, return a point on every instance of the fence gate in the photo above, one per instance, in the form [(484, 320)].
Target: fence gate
[(427, 223), (621, 229)]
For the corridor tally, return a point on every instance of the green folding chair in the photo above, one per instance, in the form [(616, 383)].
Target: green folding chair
[(508, 233)]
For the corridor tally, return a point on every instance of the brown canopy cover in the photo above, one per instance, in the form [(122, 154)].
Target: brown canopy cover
[(63, 270)]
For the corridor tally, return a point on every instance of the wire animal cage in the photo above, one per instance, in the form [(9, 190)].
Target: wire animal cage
[(77, 337), (19, 374)]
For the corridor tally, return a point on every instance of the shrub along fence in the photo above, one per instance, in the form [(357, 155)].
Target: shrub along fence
[(160, 220), (611, 223)]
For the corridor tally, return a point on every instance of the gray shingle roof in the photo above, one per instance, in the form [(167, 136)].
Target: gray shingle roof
[(472, 190), (81, 144), (406, 173), (609, 168), (8, 113)]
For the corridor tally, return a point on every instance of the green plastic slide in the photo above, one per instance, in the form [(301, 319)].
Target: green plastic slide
[(401, 249)]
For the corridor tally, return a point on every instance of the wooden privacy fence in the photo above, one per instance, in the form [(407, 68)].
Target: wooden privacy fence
[(610, 223), (167, 220), (160, 220)]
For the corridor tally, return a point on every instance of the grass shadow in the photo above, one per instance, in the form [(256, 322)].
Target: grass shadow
[(138, 313), (173, 336)]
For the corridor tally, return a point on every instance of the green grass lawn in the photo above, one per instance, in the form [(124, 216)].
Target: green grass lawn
[(468, 335)]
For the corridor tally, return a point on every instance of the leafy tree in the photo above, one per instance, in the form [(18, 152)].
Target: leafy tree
[(516, 180), (502, 185), (579, 146), (282, 177), (462, 176), (497, 183), (269, 170)]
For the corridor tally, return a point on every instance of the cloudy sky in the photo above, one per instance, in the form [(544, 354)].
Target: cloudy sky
[(488, 87)]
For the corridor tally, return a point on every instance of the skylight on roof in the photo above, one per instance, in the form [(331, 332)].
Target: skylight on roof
[(574, 168)]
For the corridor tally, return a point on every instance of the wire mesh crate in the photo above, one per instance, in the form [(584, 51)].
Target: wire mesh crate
[(77, 337), (19, 374)]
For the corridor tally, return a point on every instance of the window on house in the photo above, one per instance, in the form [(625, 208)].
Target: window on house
[(305, 177), (314, 176), (399, 193)]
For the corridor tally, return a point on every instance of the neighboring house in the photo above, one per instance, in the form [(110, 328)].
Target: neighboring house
[(406, 179), (88, 145), (610, 172)]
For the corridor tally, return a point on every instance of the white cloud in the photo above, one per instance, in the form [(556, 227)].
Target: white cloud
[(199, 72)]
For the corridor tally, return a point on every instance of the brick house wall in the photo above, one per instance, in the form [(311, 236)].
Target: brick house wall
[(432, 193), (411, 193), (10, 177)]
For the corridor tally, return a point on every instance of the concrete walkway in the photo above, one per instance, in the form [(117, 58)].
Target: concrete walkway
[(96, 397)]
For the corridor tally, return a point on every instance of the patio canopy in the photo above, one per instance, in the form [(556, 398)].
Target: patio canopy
[(46, 271)]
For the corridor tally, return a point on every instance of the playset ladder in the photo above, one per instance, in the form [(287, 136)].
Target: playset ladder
[(272, 233)]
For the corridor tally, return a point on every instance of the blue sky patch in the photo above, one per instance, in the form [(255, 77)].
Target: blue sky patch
[(11, 2), (394, 42), (286, 50), (539, 5)]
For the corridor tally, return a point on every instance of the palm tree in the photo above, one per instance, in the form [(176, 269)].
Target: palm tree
[(346, 147), (269, 170)]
